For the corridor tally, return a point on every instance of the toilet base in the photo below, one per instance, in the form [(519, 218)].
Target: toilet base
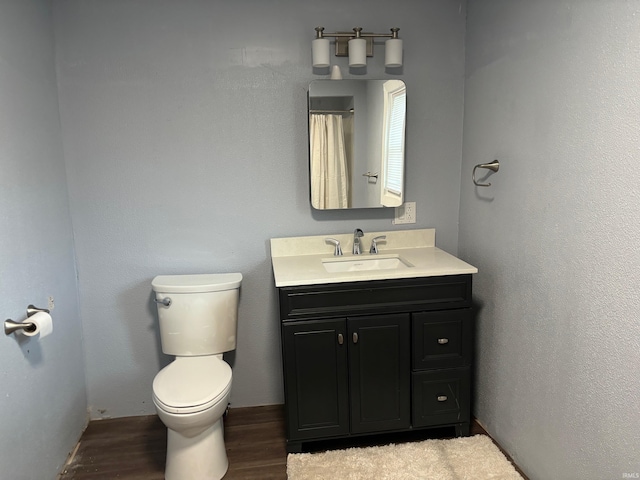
[(201, 457)]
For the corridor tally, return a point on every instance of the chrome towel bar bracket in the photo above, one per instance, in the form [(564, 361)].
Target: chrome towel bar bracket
[(494, 166)]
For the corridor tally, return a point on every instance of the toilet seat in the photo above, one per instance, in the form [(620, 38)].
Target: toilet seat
[(192, 384)]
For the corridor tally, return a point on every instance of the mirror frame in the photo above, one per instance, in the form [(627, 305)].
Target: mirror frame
[(364, 152)]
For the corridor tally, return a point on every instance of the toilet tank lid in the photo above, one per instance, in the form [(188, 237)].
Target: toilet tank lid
[(208, 282)]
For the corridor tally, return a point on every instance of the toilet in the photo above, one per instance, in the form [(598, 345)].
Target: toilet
[(198, 317)]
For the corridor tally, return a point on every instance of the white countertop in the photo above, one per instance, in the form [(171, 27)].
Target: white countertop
[(298, 260)]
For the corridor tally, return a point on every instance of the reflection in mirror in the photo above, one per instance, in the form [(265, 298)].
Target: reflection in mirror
[(356, 143)]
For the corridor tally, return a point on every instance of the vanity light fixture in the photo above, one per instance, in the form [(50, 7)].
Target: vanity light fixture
[(357, 45)]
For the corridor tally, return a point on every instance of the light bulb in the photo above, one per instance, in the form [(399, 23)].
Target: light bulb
[(393, 53), (320, 52), (357, 52)]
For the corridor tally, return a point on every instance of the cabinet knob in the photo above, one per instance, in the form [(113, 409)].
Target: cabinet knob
[(443, 341), (442, 398), (340, 339), (355, 337)]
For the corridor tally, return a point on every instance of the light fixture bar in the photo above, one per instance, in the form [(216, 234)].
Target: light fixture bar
[(392, 59), (320, 33)]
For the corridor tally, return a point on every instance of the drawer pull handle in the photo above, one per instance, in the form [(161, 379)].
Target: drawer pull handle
[(442, 398), (340, 339), (355, 337), (443, 341)]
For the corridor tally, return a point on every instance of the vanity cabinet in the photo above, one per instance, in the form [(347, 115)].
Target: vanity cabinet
[(376, 356)]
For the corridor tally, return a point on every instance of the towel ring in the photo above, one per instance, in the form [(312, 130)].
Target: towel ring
[(494, 166)]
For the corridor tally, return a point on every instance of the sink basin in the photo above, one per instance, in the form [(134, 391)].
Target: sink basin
[(365, 263)]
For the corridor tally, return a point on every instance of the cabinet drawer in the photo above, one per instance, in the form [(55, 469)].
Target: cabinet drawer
[(441, 397), (383, 296), (442, 339)]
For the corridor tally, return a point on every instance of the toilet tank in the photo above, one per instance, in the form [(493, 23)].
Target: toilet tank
[(200, 316)]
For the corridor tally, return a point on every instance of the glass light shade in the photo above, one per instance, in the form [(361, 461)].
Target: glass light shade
[(320, 52), (393, 53), (357, 52)]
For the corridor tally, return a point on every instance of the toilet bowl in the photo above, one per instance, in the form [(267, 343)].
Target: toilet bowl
[(191, 395), (198, 322)]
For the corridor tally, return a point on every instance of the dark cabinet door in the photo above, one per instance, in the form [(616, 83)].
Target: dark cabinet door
[(316, 379), (379, 372)]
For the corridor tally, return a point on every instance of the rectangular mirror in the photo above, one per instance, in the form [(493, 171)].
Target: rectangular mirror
[(356, 143)]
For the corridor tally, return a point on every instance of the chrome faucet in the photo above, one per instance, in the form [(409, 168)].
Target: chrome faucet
[(357, 234)]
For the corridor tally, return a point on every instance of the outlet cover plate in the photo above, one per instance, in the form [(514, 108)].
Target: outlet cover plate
[(405, 213)]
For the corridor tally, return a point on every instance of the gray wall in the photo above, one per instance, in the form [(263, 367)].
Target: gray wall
[(42, 401), (552, 92), (185, 133)]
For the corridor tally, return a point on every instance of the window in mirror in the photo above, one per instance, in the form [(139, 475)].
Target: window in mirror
[(395, 107)]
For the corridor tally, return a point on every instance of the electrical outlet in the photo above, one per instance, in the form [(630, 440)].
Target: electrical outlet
[(50, 304), (405, 213)]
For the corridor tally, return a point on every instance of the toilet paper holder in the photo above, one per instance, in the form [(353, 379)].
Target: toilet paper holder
[(10, 326)]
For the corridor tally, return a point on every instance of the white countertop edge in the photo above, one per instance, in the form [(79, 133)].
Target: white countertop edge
[(300, 270)]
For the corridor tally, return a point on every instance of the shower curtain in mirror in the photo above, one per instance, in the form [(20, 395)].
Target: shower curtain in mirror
[(329, 175)]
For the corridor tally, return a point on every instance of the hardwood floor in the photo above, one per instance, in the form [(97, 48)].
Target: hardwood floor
[(134, 448)]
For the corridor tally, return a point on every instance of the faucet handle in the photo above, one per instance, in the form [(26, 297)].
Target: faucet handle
[(374, 243), (338, 249)]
